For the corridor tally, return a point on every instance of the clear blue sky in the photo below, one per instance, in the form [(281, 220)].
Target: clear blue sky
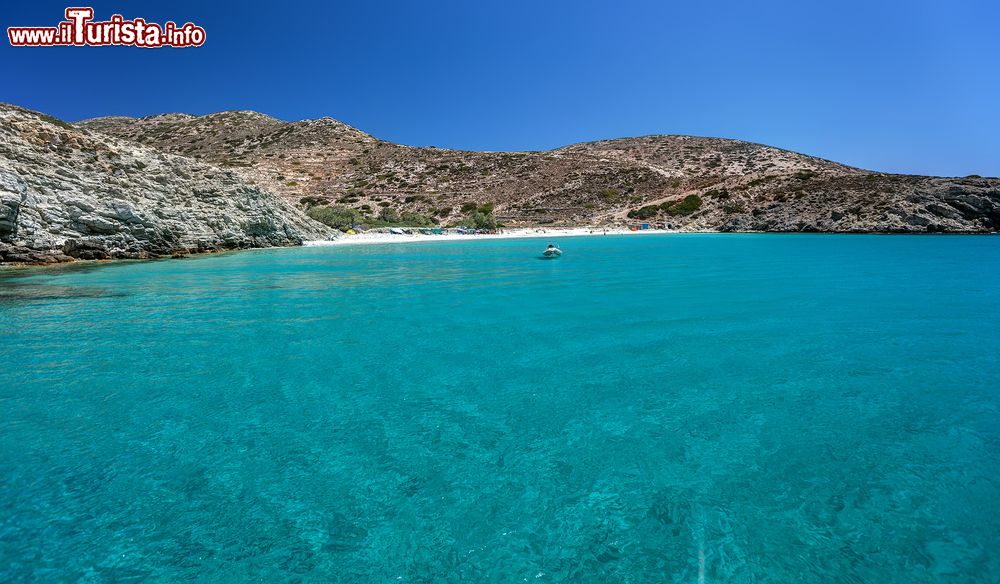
[(905, 86)]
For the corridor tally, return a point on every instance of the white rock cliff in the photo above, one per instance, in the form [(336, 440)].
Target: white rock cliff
[(67, 192)]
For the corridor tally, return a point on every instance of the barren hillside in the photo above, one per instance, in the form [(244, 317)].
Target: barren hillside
[(728, 185)]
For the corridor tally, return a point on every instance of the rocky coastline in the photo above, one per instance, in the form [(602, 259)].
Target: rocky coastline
[(67, 193)]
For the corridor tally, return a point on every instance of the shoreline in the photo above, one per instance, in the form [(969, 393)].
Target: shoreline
[(379, 238), (519, 233)]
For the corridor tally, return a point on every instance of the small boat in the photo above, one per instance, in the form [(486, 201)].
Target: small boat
[(552, 252)]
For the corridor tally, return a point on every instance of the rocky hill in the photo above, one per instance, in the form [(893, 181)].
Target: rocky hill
[(686, 182), (68, 192)]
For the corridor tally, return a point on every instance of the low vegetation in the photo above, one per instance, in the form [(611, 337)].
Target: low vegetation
[(647, 212), (688, 205), (336, 216), (479, 220), (343, 218), (477, 215), (685, 206)]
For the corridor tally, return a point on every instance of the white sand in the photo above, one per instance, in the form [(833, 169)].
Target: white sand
[(539, 233)]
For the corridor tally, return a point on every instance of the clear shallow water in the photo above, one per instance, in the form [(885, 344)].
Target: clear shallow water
[(645, 409)]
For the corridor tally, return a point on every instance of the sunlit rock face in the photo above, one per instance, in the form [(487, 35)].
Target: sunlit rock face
[(69, 193)]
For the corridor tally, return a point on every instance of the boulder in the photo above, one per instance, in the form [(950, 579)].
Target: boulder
[(86, 249), (98, 224)]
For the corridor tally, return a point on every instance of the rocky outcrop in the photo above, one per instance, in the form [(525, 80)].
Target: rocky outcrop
[(739, 186), (69, 193)]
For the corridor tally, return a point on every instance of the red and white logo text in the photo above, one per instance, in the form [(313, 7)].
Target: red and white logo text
[(80, 30)]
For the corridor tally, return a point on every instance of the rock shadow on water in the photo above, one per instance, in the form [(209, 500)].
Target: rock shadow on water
[(15, 293)]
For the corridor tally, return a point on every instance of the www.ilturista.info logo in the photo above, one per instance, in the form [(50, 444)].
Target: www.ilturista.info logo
[(79, 30)]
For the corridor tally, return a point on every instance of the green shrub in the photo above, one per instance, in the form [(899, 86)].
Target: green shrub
[(609, 194), (388, 215), (646, 212), (391, 218), (336, 216), (482, 220), (416, 220), (688, 205), (469, 207), (311, 201), (479, 220)]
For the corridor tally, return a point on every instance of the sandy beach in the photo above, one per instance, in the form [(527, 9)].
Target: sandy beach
[(371, 237)]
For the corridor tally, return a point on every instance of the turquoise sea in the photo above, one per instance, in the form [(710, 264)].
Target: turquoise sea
[(677, 408)]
